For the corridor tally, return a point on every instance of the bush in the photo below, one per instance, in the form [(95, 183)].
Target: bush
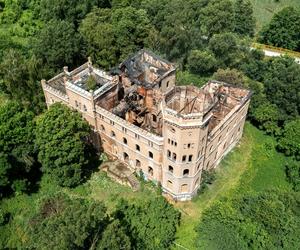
[(231, 76), (201, 62), (293, 174), (289, 142)]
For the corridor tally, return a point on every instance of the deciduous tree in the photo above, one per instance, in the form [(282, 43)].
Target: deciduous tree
[(244, 22), (17, 152), (150, 224), (283, 29), (289, 142), (61, 141), (201, 62), (64, 223)]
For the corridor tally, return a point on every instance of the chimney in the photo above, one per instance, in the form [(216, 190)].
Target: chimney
[(66, 69), (90, 61), (90, 65)]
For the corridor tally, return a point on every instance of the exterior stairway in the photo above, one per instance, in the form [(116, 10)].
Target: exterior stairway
[(121, 173), (133, 181)]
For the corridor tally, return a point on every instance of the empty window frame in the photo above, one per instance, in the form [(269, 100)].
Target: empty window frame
[(184, 188), (126, 157), (137, 163), (150, 154), (150, 171), (186, 172), (174, 156), (154, 118), (169, 153), (102, 128)]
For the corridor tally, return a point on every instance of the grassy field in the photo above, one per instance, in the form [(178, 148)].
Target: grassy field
[(265, 9), (252, 166)]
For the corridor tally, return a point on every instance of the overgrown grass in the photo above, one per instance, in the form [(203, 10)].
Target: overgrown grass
[(99, 187), (252, 166), (265, 9)]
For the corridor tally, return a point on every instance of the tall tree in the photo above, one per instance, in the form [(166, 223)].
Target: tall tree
[(114, 238), (17, 153), (283, 29), (217, 17), (244, 22), (72, 11), (289, 142), (268, 116), (21, 78), (225, 48), (150, 224), (63, 223), (282, 85), (201, 62), (58, 44), (111, 35), (256, 221), (60, 138), (293, 174)]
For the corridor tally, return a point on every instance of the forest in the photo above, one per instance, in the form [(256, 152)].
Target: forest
[(49, 197)]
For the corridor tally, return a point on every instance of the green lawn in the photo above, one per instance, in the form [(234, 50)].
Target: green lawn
[(264, 9), (252, 166)]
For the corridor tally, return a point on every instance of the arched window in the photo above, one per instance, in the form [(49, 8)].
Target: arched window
[(137, 163), (150, 171), (190, 158), (184, 188), (171, 169), (170, 184), (126, 157), (174, 156), (124, 140), (102, 128), (169, 153), (184, 158), (150, 154), (154, 118), (186, 172), (112, 134)]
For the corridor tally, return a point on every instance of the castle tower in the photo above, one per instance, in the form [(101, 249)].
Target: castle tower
[(185, 128)]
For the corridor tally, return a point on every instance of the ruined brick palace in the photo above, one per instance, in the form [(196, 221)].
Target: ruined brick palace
[(171, 133)]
